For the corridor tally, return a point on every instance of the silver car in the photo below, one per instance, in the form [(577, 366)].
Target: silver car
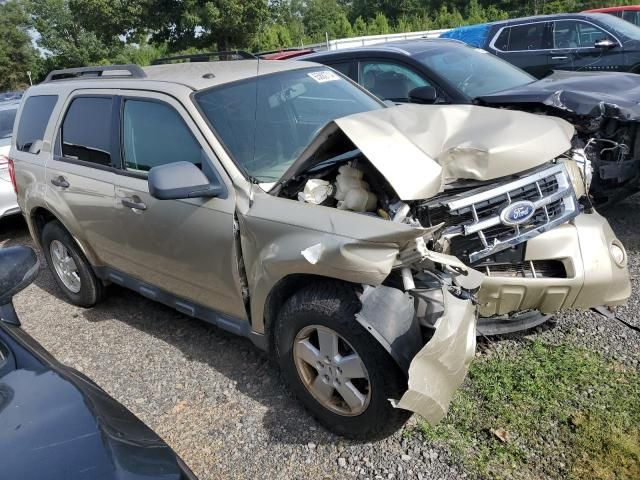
[(8, 201)]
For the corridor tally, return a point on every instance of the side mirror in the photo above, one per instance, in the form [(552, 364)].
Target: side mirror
[(178, 180), (19, 267), (424, 95), (605, 43)]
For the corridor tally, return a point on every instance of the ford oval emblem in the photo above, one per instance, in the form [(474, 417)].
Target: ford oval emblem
[(518, 212)]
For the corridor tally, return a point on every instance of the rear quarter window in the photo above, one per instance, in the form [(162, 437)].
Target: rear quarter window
[(33, 122)]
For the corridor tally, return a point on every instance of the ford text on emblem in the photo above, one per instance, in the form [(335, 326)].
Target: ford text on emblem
[(517, 213)]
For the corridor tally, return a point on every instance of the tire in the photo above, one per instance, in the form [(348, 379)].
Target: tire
[(330, 307), (91, 290)]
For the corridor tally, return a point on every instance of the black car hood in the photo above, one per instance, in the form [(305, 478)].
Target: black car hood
[(589, 94), (56, 423)]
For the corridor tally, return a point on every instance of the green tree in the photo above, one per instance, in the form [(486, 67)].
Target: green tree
[(65, 38), (222, 24), (378, 25), (324, 16), (17, 55)]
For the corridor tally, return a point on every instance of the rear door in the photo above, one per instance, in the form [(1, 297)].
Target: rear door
[(80, 176), (184, 247), (525, 46)]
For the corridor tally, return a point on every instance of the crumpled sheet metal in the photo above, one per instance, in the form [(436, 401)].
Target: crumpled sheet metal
[(589, 94), (440, 367), (465, 141), (281, 237)]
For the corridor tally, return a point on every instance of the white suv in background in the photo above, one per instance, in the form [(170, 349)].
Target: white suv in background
[(8, 201)]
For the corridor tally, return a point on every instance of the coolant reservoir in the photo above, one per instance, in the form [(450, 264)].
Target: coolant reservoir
[(349, 178), (358, 200), (352, 192)]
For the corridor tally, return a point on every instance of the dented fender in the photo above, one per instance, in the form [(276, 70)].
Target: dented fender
[(281, 238), (440, 367)]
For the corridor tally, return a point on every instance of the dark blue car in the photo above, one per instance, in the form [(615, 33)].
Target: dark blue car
[(55, 423), (571, 41)]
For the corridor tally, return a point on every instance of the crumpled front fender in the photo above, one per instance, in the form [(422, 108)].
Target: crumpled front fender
[(440, 367)]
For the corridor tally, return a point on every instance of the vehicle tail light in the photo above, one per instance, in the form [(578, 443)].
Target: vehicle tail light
[(7, 164)]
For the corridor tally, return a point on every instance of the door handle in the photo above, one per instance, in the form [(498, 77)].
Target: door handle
[(559, 58), (60, 182), (134, 203)]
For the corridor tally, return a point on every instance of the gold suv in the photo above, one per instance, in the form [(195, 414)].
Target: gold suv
[(282, 202)]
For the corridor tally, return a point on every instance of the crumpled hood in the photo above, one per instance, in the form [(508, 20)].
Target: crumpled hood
[(591, 94), (420, 147)]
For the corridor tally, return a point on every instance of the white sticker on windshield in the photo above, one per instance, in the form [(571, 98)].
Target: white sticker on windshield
[(324, 76)]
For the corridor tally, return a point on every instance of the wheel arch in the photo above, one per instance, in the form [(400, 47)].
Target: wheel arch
[(39, 216), (283, 290)]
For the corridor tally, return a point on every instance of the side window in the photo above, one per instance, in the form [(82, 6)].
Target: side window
[(632, 16), (576, 34), (33, 122), (155, 134), (389, 81), (7, 117), (86, 130), (345, 68), (530, 36)]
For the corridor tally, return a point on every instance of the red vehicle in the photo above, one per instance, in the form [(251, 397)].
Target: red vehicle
[(630, 13), (285, 54)]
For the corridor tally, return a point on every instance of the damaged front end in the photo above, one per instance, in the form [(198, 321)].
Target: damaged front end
[(407, 204)]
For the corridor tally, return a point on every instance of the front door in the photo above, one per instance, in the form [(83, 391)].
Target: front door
[(574, 48), (185, 247)]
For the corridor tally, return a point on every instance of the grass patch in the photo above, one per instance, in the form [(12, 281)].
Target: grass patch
[(563, 411)]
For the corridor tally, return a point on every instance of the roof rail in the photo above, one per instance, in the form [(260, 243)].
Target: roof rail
[(206, 57), (116, 71)]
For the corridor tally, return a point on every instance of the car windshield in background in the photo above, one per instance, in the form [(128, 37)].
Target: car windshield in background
[(267, 121), (6, 122), (618, 26), (474, 72)]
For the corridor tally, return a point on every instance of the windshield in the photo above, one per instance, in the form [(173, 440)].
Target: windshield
[(6, 122), (266, 121), (473, 71), (619, 26)]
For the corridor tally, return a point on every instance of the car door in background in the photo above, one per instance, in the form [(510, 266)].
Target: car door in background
[(525, 46), (185, 247), (574, 48), (389, 80), (80, 175)]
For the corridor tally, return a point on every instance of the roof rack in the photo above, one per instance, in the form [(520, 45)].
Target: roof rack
[(206, 57), (112, 71)]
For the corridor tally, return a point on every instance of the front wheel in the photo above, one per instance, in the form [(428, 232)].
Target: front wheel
[(338, 371)]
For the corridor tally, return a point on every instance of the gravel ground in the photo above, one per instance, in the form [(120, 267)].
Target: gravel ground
[(219, 402)]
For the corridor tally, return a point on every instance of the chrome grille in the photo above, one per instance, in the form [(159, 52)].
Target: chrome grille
[(473, 224)]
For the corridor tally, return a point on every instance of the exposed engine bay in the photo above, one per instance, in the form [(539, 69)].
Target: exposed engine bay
[(466, 218)]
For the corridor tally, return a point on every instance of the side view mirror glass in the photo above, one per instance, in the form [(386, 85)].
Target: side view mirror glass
[(604, 43), (179, 180), (424, 95)]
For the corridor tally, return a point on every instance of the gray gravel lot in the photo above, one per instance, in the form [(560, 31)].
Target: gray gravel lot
[(219, 402)]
